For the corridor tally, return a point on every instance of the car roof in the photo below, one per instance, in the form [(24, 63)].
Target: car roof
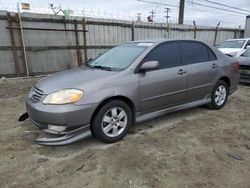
[(238, 39), (160, 40)]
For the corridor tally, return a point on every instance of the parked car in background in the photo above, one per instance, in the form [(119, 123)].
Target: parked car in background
[(244, 69), (234, 47), (130, 83)]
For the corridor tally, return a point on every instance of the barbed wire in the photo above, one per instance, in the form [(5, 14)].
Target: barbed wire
[(127, 16)]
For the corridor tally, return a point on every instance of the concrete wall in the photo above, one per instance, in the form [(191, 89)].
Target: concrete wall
[(51, 51)]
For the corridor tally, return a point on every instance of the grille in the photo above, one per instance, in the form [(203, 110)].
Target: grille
[(36, 94), (244, 67)]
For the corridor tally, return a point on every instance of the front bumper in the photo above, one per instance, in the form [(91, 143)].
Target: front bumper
[(245, 78), (244, 74), (75, 118), (65, 139)]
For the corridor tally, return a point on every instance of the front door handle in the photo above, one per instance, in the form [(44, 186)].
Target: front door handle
[(214, 65), (181, 71)]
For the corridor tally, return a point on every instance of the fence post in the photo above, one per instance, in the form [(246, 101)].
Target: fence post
[(78, 53), (216, 31), (195, 29), (133, 31), (13, 45), (168, 30), (84, 22), (235, 33), (22, 44)]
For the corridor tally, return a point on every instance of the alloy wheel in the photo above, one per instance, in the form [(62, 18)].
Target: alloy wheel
[(220, 95), (114, 121)]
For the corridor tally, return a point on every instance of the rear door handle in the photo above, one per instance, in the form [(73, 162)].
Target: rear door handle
[(214, 65), (181, 71)]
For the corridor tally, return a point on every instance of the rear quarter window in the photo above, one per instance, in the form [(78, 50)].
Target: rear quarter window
[(211, 55)]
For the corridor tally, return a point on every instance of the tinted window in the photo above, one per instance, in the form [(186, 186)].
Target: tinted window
[(194, 52), (211, 55), (168, 55)]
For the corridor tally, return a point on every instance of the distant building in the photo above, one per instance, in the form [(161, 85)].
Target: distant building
[(247, 27)]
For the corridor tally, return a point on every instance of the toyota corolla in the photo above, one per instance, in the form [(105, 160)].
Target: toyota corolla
[(130, 83)]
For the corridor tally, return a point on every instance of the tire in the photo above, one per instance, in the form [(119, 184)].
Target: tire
[(112, 121), (219, 95)]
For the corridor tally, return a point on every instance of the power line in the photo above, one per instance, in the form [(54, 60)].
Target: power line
[(228, 6), (209, 15), (208, 6), (157, 3)]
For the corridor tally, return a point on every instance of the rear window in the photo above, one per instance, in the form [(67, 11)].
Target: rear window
[(195, 52)]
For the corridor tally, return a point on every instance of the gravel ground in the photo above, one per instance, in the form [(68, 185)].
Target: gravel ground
[(192, 148)]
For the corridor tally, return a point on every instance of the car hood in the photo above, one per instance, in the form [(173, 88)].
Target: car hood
[(231, 51), (244, 60), (73, 78)]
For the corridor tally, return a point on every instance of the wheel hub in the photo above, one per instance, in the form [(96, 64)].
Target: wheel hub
[(220, 95), (114, 122)]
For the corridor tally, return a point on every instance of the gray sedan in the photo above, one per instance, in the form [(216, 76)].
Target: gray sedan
[(130, 83)]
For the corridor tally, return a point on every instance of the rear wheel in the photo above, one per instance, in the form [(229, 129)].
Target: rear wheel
[(112, 121), (219, 95)]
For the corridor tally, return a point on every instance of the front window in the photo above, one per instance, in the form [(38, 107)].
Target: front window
[(233, 44), (120, 57)]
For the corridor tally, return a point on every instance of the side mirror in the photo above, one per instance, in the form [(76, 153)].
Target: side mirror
[(248, 47), (87, 62), (149, 65)]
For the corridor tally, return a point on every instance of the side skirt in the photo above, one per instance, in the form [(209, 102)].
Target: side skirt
[(152, 115)]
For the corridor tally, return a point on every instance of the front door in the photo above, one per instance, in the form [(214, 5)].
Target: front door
[(166, 86)]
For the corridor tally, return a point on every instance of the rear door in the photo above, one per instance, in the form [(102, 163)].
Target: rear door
[(202, 68), (166, 86)]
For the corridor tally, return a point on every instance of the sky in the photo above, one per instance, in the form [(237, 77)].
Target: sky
[(128, 10)]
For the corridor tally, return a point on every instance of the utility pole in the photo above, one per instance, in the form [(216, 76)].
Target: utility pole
[(152, 15), (167, 10), (181, 12)]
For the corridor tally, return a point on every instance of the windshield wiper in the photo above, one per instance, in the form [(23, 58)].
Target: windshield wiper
[(101, 67)]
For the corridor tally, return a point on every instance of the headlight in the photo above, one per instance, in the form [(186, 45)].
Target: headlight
[(63, 96)]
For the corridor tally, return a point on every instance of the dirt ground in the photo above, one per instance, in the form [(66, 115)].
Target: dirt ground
[(192, 148)]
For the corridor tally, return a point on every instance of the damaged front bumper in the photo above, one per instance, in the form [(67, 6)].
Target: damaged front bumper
[(63, 124), (54, 138)]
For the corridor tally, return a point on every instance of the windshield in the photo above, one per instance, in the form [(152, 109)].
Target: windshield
[(233, 44), (120, 57), (246, 53)]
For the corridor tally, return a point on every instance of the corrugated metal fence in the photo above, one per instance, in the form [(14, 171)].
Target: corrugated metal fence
[(53, 43)]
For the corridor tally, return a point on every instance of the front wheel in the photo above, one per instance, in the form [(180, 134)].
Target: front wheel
[(219, 95), (112, 121)]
